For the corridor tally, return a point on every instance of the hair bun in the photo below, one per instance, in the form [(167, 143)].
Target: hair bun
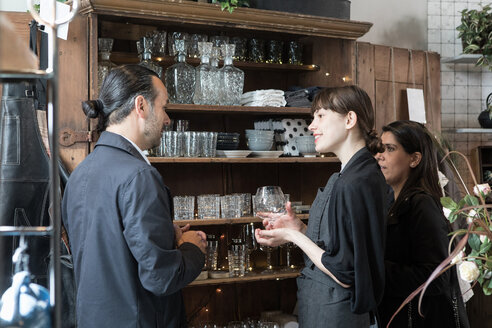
[(93, 108)]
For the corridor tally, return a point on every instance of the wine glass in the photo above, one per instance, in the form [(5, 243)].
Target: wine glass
[(250, 241), (269, 199), (288, 260)]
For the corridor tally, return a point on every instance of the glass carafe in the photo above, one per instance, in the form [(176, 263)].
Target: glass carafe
[(146, 45), (214, 63), (232, 79), (206, 76), (104, 65), (180, 78)]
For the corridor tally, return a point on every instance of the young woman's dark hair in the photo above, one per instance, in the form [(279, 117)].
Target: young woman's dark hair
[(414, 137), (351, 98), (118, 92)]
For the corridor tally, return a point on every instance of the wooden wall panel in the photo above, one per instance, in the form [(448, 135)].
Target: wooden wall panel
[(432, 91), (402, 64), (387, 109), (365, 70), (73, 83)]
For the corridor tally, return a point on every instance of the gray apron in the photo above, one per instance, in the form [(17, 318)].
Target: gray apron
[(321, 301)]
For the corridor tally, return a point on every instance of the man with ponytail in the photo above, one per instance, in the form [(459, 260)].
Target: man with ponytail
[(130, 261)]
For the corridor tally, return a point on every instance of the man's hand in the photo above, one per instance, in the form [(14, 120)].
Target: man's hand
[(197, 238)]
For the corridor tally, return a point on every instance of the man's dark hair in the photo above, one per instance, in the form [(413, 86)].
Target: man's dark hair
[(118, 92)]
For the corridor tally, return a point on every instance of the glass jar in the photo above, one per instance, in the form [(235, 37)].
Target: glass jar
[(207, 77), (104, 65), (180, 77), (231, 78), (146, 45)]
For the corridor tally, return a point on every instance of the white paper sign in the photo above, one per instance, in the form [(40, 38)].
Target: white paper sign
[(416, 105), (62, 10)]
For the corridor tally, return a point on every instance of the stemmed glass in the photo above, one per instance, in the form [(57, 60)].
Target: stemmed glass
[(269, 202), (288, 260), (250, 241)]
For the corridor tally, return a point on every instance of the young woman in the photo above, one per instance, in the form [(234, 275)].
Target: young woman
[(417, 232), (343, 278)]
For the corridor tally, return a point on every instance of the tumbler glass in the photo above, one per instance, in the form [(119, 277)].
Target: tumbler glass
[(237, 259), (294, 53), (245, 204), (240, 49), (184, 207), (230, 206), (274, 51), (257, 50), (173, 36), (212, 253), (208, 206), (191, 144), (159, 39), (193, 49), (219, 40)]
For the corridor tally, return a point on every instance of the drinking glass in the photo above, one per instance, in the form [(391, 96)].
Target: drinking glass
[(230, 206), (248, 236), (236, 256), (288, 260), (269, 199), (268, 324), (191, 144), (208, 206), (212, 252), (184, 207)]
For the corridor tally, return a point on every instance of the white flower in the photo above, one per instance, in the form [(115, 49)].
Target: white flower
[(471, 216), (446, 212), (483, 238), (443, 181), (468, 271), (482, 188), (457, 259)]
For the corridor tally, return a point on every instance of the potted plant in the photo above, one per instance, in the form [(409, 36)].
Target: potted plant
[(476, 33), (230, 5)]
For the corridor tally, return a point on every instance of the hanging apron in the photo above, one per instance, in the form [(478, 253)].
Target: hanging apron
[(24, 178), (321, 301)]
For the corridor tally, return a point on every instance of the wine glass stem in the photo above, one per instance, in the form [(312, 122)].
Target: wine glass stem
[(269, 258)]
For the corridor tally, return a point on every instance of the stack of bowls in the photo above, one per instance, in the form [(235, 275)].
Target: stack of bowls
[(259, 140), (227, 141), (306, 145)]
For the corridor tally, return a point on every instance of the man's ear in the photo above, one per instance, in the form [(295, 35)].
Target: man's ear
[(140, 105)]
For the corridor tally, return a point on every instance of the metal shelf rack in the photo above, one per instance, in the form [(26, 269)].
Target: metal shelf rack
[(51, 76)]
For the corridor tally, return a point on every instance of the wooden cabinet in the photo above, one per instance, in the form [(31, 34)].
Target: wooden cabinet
[(332, 57), (481, 161)]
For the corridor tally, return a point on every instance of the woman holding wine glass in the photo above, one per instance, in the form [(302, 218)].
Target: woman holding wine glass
[(343, 278)]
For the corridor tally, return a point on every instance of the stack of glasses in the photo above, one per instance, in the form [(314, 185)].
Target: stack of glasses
[(212, 206)]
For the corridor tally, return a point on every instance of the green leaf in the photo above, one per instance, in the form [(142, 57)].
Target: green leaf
[(471, 200), (474, 242), (449, 203), (484, 248), (487, 290), (452, 217)]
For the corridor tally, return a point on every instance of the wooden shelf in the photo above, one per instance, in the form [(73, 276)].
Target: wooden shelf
[(243, 220), (462, 59), (216, 109), (469, 130), (247, 278), (24, 75), (204, 14), (121, 58), (252, 160)]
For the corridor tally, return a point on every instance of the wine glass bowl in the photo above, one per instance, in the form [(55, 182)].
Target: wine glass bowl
[(269, 200)]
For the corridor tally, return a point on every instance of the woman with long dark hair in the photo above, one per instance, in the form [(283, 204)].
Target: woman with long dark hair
[(343, 278), (417, 232)]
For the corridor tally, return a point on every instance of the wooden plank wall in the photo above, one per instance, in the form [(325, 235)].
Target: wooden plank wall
[(386, 72), (73, 67)]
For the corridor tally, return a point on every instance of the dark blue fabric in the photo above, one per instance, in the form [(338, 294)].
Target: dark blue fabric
[(128, 270)]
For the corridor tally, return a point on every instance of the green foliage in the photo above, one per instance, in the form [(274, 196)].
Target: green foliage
[(230, 5), (476, 34)]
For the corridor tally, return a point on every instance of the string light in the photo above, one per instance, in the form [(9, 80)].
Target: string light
[(218, 290)]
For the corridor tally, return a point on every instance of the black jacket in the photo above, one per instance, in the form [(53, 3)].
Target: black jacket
[(128, 270), (417, 242)]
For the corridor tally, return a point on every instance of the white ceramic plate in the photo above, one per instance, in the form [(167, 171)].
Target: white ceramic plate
[(267, 153), (233, 153)]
